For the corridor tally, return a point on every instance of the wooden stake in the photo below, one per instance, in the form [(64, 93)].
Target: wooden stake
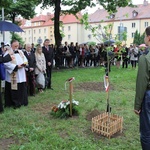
[(70, 96)]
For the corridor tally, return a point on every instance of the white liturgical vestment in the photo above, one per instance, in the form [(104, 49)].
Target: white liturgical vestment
[(19, 59)]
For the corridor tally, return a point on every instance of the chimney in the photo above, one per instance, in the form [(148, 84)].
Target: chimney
[(145, 3), (48, 16)]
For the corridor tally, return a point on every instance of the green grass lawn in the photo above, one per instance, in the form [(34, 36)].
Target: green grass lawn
[(33, 128)]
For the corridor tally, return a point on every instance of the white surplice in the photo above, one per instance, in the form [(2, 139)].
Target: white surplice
[(10, 66)]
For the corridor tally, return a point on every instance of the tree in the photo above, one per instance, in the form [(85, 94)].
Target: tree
[(112, 5), (17, 37), (142, 38), (75, 7), (19, 7), (138, 38), (4, 3)]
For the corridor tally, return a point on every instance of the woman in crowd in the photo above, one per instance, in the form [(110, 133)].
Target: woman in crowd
[(133, 56), (40, 64)]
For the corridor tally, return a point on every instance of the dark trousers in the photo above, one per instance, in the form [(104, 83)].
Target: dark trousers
[(133, 63), (125, 63), (31, 83), (49, 74), (145, 122)]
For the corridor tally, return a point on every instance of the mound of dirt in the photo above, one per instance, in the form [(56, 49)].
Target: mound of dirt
[(92, 114), (91, 86), (5, 143)]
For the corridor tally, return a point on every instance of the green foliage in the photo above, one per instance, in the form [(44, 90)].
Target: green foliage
[(17, 37), (112, 5), (138, 38), (92, 43), (65, 112), (4, 3), (63, 109), (61, 31), (124, 36), (142, 38), (20, 7)]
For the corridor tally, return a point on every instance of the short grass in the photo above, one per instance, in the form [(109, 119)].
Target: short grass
[(33, 128)]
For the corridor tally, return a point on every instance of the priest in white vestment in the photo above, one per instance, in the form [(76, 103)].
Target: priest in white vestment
[(15, 86)]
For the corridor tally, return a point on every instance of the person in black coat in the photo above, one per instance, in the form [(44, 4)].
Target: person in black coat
[(125, 57), (30, 69), (49, 55), (5, 59)]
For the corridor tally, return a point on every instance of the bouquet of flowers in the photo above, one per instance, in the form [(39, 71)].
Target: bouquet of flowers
[(63, 109)]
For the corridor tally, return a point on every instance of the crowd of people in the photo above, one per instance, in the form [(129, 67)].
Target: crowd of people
[(31, 67), (84, 55)]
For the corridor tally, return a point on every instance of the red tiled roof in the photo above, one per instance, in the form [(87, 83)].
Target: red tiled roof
[(142, 10), (69, 18), (39, 18)]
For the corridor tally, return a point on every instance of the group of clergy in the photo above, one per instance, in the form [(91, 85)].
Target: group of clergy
[(19, 73)]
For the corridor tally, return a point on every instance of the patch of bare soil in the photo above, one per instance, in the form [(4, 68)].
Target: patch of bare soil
[(92, 114), (5, 143), (91, 86), (43, 108)]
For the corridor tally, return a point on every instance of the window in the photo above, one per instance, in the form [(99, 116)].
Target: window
[(134, 13), (69, 37), (62, 28), (39, 23), (112, 16), (34, 39), (44, 30), (89, 36), (34, 31), (121, 24), (34, 23), (51, 35), (133, 25), (39, 30), (29, 32), (44, 37), (69, 28), (121, 29), (29, 39), (146, 24), (25, 39), (132, 35)]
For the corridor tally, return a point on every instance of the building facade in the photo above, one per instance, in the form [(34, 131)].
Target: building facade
[(127, 19)]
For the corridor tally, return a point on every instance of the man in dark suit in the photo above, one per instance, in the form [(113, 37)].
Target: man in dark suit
[(33, 48), (30, 70), (49, 55)]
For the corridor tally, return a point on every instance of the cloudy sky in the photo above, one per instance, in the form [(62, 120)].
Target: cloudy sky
[(90, 10)]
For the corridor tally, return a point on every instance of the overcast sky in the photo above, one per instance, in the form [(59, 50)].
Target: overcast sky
[(90, 10)]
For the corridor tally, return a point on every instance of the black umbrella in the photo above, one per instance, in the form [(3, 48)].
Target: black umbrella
[(109, 42), (8, 26)]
